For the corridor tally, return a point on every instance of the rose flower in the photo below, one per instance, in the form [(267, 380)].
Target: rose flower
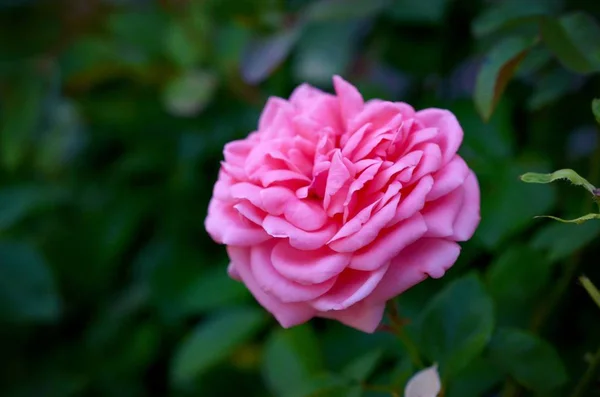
[(335, 205)]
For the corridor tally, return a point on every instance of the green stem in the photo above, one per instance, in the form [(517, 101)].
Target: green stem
[(588, 377), (397, 326)]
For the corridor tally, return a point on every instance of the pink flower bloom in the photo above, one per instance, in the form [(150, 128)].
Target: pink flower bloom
[(336, 205)]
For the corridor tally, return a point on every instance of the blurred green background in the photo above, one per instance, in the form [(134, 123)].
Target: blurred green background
[(113, 118)]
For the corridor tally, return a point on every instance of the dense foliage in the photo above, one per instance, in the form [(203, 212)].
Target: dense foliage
[(113, 117)]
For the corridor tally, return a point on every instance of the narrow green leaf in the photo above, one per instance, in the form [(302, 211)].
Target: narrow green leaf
[(27, 288), (591, 289), (18, 202), (566, 174), (529, 360), (292, 358), (213, 340), (423, 12), (497, 69), (596, 109), (578, 221), (456, 325), (360, 368), (330, 10), (574, 40)]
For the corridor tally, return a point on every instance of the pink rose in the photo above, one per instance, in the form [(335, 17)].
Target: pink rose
[(336, 205)]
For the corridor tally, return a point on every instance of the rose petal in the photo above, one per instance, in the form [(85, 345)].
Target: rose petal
[(306, 215), (369, 230), (412, 201), (351, 102), (273, 283), (426, 257), (301, 239), (451, 176), (468, 216), (350, 287), (225, 226), (287, 314), (450, 132), (362, 316), (440, 215), (308, 267), (389, 244)]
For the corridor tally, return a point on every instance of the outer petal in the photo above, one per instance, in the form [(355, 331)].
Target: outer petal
[(362, 316), (287, 314), (451, 176), (301, 239), (426, 257), (351, 102), (351, 287), (468, 216), (389, 244), (441, 214), (308, 267), (226, 226), (451, 133), (275, 284)]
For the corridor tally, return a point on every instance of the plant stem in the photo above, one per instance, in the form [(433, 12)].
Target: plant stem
[(397, 326), (588, 377)]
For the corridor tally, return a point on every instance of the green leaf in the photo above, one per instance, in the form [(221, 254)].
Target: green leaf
[(19, 201), (456, 325), (509, 12), (529, 360), (292, 357), (316, 60), (331, 10), (591, 289), (517, 266), (565, 174), (497, 69), (262, 56), (359, 369), (424, 11), (181, 47), (573, 39), (320, 386), (213, 340), (561, 240), (578, 221), (596, 109), (27, 288), (508, 206), (212, 289), (550, 87), (188, 94), (476, 380)]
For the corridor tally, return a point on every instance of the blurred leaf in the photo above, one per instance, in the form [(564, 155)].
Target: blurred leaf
[(497, 69), (596, 109), (515, 268), (330, 10), (27, 290), (510, 12), (141, 32), (211, 290), (213, 340), (572, 39), (181, 46), (324, 50), (401, 373), (423, 11), (591, 289), (507, 206), (359, 369), (291, 358), (188, 94), (456, 325), (425, 383), (551, 87), (561, 240), (262, 56), (21, 114), (320, 386), (20, 201), (564, 174), (475, 380), (529, 360)]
